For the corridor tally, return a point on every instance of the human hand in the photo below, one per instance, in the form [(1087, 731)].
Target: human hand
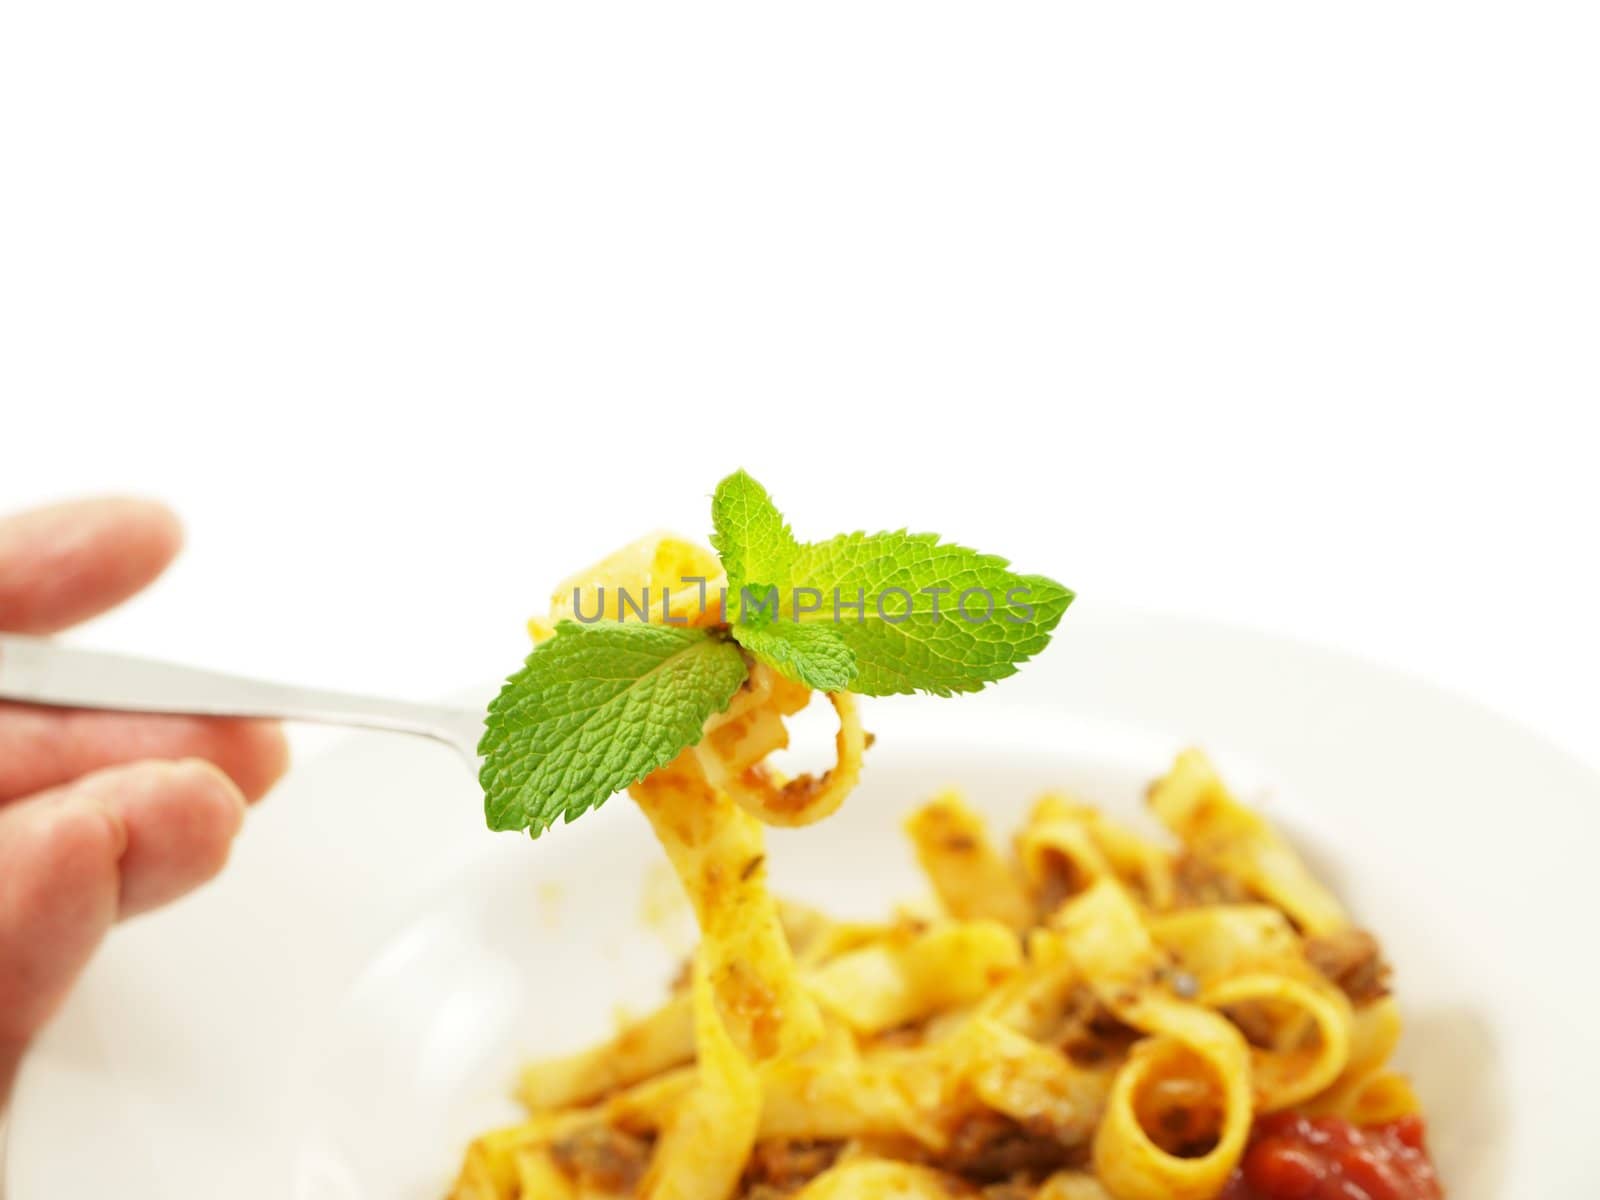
[(102, 816)]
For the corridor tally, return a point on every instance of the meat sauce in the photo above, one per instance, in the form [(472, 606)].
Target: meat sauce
[(1291, 1157)]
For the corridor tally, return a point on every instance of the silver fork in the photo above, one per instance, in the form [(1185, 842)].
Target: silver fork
[(36, 671)]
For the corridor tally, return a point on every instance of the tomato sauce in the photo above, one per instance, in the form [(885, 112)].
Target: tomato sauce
[(1291, 1157)]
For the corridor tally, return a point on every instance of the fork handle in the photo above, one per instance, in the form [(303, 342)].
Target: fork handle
[(36, 671)]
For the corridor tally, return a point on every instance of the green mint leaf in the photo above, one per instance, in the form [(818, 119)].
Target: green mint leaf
[(812, 654), (596, 709), (755, 545), (908, 613), (933, 617)]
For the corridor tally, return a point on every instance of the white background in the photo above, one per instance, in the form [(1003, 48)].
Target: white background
[(1283, 315)]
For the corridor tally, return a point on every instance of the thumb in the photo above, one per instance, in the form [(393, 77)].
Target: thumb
[(74, 859), (59, 884)]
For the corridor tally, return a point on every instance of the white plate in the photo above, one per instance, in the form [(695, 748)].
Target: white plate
[(337, 1016)]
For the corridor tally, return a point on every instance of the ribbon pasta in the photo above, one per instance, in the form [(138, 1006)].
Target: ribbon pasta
[(1082, 1021)]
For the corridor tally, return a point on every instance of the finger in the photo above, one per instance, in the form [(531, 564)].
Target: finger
[(75, 859), (64, 564), (43, 747), (60, 888), (113, 844)]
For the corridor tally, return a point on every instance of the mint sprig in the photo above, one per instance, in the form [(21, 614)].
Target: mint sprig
[(602, 705), (914, 613)]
